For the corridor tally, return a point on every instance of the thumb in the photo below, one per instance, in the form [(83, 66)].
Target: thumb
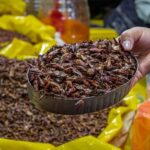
[(130, 37), (127, 42)]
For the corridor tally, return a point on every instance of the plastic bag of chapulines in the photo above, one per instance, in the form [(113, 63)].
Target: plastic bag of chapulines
[(141, 128), (14, 7), (24, 36), (116, 132)]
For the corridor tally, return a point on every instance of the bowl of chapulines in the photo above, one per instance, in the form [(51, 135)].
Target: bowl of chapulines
[(82, 77)]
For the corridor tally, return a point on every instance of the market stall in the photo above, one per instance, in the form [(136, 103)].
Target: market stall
[(58, 92)]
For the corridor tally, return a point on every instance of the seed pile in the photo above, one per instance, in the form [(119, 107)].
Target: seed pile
[(82, 70), (7, 36), (20, 120)]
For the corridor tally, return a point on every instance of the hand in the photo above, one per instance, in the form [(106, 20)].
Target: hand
[(137, 40)]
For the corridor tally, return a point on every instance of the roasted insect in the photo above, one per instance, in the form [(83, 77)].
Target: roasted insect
[(20, 120), (82, 70)]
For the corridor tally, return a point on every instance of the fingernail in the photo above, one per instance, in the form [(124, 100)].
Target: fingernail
[(127, 45)]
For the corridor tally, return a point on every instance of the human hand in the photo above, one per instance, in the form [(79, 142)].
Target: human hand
[(137, 40)]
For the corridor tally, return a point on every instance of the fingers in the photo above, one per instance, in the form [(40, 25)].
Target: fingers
[(144, 68), (127, 40), (136, 38), (145, 64), (138, 76)]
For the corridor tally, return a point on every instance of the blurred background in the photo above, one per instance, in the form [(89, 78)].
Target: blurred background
[(70, 21), (104, 18)]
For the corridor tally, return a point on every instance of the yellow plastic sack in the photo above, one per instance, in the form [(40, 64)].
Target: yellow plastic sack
[(102, 33), (6, 144), (116, 119), (42, 35), (28, 26), (87, 143), (128, 144), (14, 7), (25, 50)]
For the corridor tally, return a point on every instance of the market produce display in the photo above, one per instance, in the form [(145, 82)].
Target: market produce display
[(24, 37), (82, 70), (21, 120), (6, 36), (32, 70)]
